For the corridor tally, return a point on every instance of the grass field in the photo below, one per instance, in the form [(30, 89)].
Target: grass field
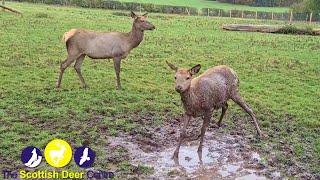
[(279, 75), (210, 4)]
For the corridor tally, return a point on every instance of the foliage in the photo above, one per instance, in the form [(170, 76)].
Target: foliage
[(211, 4), (291, 29), (308, 6), (265, 3)]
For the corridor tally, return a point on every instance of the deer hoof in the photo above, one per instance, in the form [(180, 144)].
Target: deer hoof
[(85, 87), (200, 150), (175, 155), (263, 136)]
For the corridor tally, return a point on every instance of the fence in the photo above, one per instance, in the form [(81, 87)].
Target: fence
[(183, 10), (262, 15)]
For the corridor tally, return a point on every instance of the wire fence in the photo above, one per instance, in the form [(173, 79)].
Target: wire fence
[(183, 10), (307, 17)]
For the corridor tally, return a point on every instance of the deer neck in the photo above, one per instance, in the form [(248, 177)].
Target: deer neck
[(135, 37), (188, 99)]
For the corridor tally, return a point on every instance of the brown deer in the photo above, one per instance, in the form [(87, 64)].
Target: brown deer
[(204, 94), (102, 45)]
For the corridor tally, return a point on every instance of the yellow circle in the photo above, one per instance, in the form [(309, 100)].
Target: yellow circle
[(58, 153)]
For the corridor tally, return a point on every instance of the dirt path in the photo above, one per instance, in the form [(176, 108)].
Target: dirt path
[(224, 156)]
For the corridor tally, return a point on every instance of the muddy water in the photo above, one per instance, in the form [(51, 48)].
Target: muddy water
[(223, 157)]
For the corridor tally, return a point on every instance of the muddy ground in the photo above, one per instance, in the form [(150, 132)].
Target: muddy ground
[(224, 156)]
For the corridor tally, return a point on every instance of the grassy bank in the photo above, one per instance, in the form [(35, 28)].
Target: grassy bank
[(210, 4)]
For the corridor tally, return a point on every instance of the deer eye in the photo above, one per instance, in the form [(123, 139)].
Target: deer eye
[(175, 77), (188, 78)]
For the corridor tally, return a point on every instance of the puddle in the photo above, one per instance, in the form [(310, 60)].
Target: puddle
[(223, 157)]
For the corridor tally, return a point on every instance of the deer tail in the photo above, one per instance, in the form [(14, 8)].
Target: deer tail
[(237, 81), (67, 35)]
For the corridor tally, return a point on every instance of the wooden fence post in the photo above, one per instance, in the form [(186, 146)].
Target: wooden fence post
[(208, 12), (310, 18), (242, 14), (219, 12), (230, 13), (272, 16), (256, 14), (188, 11), (291, 16)]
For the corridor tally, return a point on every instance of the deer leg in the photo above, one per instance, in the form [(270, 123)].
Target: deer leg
[(182, 135), (224, 109), (237, 99), (206, 121), (64, 66), (77, 67), (116, 63)]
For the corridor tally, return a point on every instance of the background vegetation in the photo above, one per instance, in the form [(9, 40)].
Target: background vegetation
[(211, 4), (279, 76), (267, 3), (308, 6)]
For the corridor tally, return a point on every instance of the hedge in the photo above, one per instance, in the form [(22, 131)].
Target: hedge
[(121, 6), (109, 4)]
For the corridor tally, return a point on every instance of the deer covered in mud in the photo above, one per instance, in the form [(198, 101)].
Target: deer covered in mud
[(203, 94), (102, 45)]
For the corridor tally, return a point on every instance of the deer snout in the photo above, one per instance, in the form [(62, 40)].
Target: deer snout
[(178, 88)]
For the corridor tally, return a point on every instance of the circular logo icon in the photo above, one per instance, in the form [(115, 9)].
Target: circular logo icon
[(31, 156), (58, 153), (84, 156)]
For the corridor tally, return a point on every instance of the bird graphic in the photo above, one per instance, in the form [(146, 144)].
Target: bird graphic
[(84, 156), (34, 160)]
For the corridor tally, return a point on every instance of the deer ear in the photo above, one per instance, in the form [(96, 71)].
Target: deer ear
[(173, 67), (145, 14), (133, 15), (194, 70)]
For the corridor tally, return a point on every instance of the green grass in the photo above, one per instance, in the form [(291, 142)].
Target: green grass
[(210, 4), (279, 77)]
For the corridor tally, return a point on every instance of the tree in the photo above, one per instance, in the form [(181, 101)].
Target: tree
[(307, 6)]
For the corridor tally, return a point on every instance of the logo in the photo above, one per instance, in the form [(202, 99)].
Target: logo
[(84, 157), (58, 153), (31, 156)]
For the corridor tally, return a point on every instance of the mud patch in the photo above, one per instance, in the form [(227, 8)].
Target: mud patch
[(223, 156)]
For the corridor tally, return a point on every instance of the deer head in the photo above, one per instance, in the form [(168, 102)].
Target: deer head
[(183, 76), (141, 23)]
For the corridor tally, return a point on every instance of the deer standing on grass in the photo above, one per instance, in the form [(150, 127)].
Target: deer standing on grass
[(102, 45), (204, 94)]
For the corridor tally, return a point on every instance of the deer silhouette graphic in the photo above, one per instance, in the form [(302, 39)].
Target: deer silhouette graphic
[(57, 155)]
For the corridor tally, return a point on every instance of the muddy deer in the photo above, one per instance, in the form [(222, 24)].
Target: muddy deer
[(102, 45), (202, 95)]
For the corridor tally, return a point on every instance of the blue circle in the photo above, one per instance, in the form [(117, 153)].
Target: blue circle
[(31, 156), (84, 156)]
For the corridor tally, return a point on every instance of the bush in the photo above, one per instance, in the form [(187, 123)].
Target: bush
[(289, 29), (308, 6), (132, 6)]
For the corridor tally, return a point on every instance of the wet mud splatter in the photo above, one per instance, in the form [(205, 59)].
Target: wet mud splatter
[(224, 156)]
